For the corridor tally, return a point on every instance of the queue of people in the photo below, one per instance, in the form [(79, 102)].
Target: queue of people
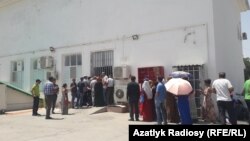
[(151, 101), (157, 104), (89, 91)]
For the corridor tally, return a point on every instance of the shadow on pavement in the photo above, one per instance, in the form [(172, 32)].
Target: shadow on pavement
[(55, 119)]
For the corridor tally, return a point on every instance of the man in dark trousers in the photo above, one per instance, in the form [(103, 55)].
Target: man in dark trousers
[(48, 93), (36, 94), (56, 91), (223, 89), (73, 88), (133, 94), (80, 86)]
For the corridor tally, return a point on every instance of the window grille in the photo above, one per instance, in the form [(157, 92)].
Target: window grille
[(102, 61), (197, 77)]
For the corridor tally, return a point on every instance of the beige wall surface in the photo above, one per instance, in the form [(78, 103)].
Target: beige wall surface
[(18, 101), (2, 97)]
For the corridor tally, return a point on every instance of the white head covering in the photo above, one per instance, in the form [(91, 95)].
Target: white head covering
[(146, 87)]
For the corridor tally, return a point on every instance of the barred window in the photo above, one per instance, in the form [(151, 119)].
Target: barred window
[(102, 61), (197, 77)]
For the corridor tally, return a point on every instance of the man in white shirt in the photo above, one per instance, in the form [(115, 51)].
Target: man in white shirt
[(223, 88), (104, 84), (110, 90)]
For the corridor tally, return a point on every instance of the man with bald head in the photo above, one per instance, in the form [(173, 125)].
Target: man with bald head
[(223, 89)]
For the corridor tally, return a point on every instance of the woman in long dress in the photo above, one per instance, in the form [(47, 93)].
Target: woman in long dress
[(184, 108), (64, 100), (98, 92), (208, 106), (147, 105)]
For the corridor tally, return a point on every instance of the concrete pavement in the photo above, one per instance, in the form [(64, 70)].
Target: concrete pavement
[(79, 125)]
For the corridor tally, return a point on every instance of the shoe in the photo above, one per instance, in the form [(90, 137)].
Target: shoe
[(164, 123), (48, 118), (131, 120), (34, 115), (137, 120), (53, 112), (38, 114)]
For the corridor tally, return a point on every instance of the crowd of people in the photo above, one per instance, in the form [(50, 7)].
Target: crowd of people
[(151, 100), (157, 104), (89, 91)]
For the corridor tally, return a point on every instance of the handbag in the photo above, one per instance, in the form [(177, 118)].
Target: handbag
[(141, 98)]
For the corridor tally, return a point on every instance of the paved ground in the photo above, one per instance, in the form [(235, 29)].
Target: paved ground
[(79, 125)]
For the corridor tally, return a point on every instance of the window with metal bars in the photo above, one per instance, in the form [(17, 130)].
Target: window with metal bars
[(102, 61), (196, 72)]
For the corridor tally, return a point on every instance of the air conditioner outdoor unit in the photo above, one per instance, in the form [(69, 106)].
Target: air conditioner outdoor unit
[(45, 62), (120, 95), (19, 65), (121, 72)]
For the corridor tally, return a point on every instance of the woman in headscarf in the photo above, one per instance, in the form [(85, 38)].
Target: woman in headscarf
[(147, 104), (98, 93)]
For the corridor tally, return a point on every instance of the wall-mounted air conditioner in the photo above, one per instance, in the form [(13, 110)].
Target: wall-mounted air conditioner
[(120, 95), (121, 72), (45, 62)]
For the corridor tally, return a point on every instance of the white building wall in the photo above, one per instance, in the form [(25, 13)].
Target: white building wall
[(171, 32), (228, 43), (40, 24)]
